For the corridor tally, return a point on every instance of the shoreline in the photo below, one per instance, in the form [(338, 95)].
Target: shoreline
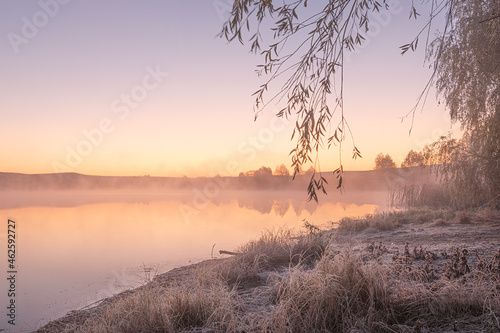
[(74, 316), (86, 312), (480, 235)]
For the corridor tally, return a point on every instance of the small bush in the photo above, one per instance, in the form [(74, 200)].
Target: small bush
[(463, 217), (439, 222), (488, 213), (350, 224)]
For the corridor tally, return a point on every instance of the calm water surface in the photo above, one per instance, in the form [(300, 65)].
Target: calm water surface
[(76, 248)]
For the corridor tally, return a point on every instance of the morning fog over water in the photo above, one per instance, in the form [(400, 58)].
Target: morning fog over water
[(75, 247)]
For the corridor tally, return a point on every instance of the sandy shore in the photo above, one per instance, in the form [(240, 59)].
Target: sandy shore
[(480, 236)]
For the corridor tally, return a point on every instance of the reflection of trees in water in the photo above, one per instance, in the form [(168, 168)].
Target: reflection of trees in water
[(280, 207), (265, 205), (311, 206), (300, 205), (262, 205), (221, 200), (343, 205)]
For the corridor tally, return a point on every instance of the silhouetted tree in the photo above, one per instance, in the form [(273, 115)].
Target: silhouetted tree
[(263, 172), (467, 78), (281, 170), (260, 177), (384, 162), (413, 159), (309, 171), (464, 58)]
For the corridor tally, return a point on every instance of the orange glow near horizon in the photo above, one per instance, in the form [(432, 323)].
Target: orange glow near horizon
[(164, 108), (122, 156)]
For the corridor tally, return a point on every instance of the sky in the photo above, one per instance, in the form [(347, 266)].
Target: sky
[(133, 88)]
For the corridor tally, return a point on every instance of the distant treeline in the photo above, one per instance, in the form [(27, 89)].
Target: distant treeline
[(353, 180)]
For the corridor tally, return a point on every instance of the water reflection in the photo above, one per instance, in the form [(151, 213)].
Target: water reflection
[(77, 247), (265, 202), (280, 207)]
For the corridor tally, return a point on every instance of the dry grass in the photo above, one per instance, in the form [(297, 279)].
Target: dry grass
[(343, 294), (329, 298), (488, 213), (392, 220), (439, 222), (463, 217), (205, 303), (420, 195), (272, 250)]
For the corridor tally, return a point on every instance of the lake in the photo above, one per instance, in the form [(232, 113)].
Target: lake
[(74, 248)]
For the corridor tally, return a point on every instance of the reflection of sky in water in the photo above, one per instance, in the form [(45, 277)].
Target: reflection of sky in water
[(74, 249)]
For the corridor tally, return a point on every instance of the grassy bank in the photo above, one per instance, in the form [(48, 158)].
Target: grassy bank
[(363, 276)]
